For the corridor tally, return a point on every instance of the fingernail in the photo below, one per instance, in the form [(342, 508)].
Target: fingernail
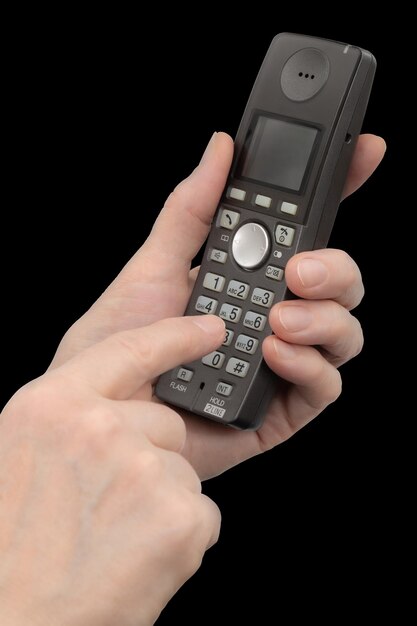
[(211, 324), (294, 317), (209, 148), (311, 272), (284, 350)]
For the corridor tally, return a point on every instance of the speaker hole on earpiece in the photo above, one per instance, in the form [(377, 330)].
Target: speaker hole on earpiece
[(348, 138)]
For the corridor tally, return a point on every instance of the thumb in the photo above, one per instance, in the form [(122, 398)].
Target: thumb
[(184, 222), (118, 366)]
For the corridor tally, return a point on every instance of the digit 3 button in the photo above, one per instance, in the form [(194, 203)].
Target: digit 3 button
[(250, 245)]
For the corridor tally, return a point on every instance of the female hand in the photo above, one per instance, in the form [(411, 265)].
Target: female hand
[(157, 283), (101, 518)]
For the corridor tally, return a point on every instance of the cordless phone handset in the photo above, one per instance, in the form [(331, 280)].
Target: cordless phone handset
[(292, 154)]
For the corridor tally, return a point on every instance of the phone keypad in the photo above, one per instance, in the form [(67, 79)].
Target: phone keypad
[(237, 341)]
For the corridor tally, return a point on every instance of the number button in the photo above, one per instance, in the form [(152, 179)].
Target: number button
[(246, 344), (230, 313), (254, 320), (284, 235), (218, 255), (238, 290), (214, 282), (214, 359), (237, 367), (228, 338), (262, 297), (206, 305), (229, 219)]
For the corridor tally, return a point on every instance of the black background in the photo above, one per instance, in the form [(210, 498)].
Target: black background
[(91, 99)]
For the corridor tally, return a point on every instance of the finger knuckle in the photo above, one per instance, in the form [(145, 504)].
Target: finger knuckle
[(187, 530), (358, 341), (146, 468), (37, 403), (175, 424), (333, 388), (97, 429)]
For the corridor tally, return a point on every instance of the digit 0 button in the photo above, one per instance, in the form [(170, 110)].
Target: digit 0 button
[(250, 245)]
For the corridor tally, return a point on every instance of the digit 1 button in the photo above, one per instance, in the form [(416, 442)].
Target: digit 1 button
[(250, 245), (214, 282)]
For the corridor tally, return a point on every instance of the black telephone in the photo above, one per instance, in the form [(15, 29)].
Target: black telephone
[(292, 153)]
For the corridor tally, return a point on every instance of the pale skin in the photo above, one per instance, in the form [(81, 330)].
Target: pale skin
[(100, 492)]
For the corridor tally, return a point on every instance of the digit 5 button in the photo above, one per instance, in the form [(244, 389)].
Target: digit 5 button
[(250, 245)]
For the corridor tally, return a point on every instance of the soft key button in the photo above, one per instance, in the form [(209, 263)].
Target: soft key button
[(263, 201), (237, 194)]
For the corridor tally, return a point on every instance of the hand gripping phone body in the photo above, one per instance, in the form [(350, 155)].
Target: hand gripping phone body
[(292, 153)]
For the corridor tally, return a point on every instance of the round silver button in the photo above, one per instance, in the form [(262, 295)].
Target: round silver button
[(250, 245)]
